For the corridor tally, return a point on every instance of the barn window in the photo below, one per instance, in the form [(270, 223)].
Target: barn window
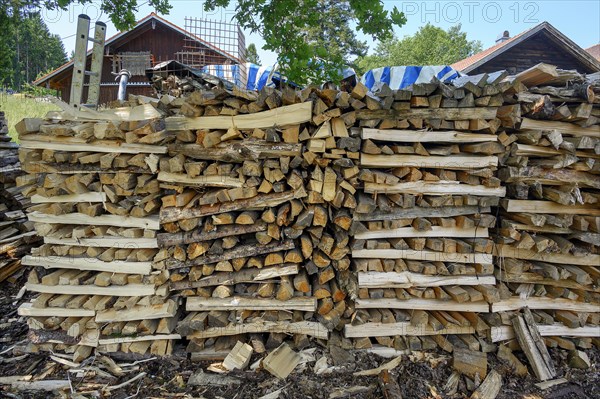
[(135, 62)]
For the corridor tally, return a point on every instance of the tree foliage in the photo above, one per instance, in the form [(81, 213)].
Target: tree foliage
[(252, 54), (429, 46), (27, 48), (300, 34)]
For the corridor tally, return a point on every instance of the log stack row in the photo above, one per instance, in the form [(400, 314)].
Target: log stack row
[(16, 233), (548, 237), (422, 248), (101, 278)]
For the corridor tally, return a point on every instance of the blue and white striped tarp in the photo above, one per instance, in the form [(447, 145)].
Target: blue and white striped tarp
[(254, 78), (400, 77)]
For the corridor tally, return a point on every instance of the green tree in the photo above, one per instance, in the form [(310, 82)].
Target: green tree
[(333, 38), (289, 28), (429, 46), (252, 54)]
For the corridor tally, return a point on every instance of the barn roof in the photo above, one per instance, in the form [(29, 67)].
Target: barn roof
[(123, 36), (570, 47)]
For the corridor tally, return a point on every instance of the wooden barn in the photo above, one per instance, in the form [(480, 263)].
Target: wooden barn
[(151, 41), (542, 43)]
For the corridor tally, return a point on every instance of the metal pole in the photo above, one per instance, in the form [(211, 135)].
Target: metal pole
[(123, 77)]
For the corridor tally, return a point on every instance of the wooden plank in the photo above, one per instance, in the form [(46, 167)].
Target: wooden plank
[(283, 116), (108, 242), (128, 290), (200, 181), (408, 279), (449, 114), (75, 144), (533, 206), (121, 114), (194, 304), (26, 309), (443, 187), (506, 251), (85, 197), (452, 162), (565, 128), (418, 212), (505, 333), (411, 136), (139, 338), (422, 304), (310, 328), (86, 263), (422, 255), (401, 329), (167, 309), (436, 231), (150, 222), (544, 303), (537, 75)]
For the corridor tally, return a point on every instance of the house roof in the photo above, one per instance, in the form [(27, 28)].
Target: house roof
[(119, 35), (476, 60), (594, 51)]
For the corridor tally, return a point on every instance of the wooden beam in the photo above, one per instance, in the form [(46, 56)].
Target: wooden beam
[(243, 276), (86, 263), (422, 255), (449, 114), (167, 309), (172, 239), (241, 151), (27, 309), (547, 176), (411, 136), (282, 116), (443, 187), (128, 290), (108, 242), (436, 231), (422, 304), (150, 222), (121, 114), (310, 328), (196, 304), (76, 144), (506, 251), (565, 128), (408, 279), (140, 338), (401, 329), (544, 303), (452, 162), (504, 333), (532, 206), (169, 215), (418, 212), (200, 181), (85, 197)]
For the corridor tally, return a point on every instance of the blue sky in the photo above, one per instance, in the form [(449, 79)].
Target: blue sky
[(481, 20)]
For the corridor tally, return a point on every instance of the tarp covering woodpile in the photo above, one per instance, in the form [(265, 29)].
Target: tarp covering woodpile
[(408, 219)]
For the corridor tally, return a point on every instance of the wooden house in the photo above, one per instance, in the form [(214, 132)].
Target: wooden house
[(542, 43), (151, 41)]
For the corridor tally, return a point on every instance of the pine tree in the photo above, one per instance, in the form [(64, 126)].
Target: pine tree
[(252, 54)]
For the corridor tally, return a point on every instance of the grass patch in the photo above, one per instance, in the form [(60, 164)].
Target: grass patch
[(17, 106)]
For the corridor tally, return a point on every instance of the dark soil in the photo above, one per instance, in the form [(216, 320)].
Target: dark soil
[(167, 378)]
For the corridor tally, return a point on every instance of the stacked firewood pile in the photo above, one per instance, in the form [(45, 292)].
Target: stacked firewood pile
[(16, 233), (548, 237), (95, 201), (382, 218), (422, 250)]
